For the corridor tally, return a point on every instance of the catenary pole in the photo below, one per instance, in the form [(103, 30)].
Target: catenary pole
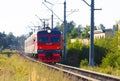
[(52, 20), (91, 51), (52, 13), (65, 30)]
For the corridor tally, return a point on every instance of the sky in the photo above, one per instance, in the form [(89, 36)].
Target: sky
[(17, 16)]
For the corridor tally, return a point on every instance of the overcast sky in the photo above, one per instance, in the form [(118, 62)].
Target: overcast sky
[(17, 15)]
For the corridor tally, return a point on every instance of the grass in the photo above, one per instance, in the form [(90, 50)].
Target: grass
[(16, 68), (108, 70)]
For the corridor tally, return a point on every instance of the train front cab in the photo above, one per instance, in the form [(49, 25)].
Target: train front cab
[(49, 46)]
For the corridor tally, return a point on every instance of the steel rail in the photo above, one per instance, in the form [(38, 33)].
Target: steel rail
[(92, 74), (72, 75), (79, 74)]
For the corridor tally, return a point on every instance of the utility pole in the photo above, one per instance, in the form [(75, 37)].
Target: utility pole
[(52, 20), (91, 50), (42, 20), (52, 13), (65, 30)]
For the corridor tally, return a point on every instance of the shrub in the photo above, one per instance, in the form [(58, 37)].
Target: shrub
[(84, 63), (112, 60)]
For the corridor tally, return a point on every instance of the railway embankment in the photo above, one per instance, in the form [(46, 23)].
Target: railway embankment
[(16, 68)]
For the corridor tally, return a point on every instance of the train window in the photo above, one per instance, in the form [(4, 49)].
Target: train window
[(43, 39), (55, 39)]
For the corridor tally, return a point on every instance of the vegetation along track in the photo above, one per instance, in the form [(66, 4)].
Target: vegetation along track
[(78, 74)]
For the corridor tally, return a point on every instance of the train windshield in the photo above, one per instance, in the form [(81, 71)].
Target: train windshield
[(54, 39), (43, 39)]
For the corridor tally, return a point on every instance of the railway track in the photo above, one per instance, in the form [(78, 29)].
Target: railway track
[(78, 74), (88, 73)]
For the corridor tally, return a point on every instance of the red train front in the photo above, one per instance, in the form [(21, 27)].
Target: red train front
[(47, 45)]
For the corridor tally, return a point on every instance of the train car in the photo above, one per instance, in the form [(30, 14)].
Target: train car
[(46, 45)]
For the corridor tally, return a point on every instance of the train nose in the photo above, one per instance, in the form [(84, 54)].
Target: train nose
[(49, 53)]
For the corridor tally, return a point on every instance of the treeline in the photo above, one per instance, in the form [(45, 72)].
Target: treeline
[(9, 41), (106, 52), (12, 42), (74, 31)]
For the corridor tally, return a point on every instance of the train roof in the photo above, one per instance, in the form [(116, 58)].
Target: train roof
[(49, 32)]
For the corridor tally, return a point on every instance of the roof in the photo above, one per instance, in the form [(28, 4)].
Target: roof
[(49, 32), (100, 31)]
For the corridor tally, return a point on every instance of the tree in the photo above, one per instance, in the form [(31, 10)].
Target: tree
[(20, 42), (60, 27), (11, 42), (85, 33), (80, 28), (74, 33), (101, 27), (113, 56), (70, 27)]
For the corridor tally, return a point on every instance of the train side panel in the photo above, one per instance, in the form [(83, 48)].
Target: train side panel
[(31, 45)]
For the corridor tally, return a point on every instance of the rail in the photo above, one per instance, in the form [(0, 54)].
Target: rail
[(92, 74), (78, 74)]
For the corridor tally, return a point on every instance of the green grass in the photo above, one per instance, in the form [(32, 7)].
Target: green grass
[(108, 70), (16, 68)]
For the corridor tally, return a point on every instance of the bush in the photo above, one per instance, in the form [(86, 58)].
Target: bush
[(84, 63), (112, 60), (76, 52)]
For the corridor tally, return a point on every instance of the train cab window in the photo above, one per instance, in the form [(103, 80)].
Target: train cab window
[(43, 39), (55, 39)]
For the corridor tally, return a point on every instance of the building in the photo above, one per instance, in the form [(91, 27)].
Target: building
[(83, 41), (106, 33)]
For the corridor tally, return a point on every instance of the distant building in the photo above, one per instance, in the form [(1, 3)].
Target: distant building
[(83, 41), (106, 33)]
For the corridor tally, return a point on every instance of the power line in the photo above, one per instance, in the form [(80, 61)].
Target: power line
[(52, 11)]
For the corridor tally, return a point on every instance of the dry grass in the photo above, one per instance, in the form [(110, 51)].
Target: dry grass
[(16, 68)]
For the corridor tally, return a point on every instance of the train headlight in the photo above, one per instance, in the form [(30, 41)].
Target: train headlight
[(49, 31)]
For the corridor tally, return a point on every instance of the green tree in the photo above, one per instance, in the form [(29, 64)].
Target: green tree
[(80, 30), (85, 33), (60, 27), (74, 33), (70, 27), (101, 27), (20, 42), (113, 56), (76, 52)]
